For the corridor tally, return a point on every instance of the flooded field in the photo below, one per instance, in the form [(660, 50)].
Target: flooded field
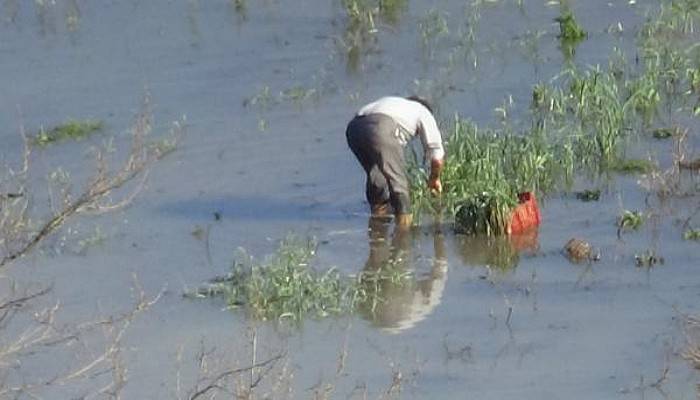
[(221, 128)]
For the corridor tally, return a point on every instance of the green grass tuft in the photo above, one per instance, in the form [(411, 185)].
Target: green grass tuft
[(483, 174), (630, 220), (692, 234), (287, 287), (580, 124), (71, 130), (569, 29), (570, 33), (483, 214)]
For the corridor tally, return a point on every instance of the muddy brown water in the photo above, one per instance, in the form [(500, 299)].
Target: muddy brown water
[(483, 321)]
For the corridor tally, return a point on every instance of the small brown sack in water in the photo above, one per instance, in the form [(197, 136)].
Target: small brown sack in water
[(578, 250)]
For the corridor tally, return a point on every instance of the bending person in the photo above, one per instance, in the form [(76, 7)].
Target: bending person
[(377, 136)]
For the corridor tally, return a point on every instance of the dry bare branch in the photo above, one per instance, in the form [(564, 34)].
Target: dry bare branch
[(7, 306), (216, 381), (17, 239), (116, 333), (44, 333)]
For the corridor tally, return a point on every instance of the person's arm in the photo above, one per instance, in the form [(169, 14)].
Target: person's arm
[(432, 142), (434, 183)]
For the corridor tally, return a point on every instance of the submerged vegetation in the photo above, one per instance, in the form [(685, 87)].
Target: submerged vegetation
[(588, 195), (265, 99), (240, 6), (648, 259), (665, 133), (73, 129), (431, 27), (632, 166), (361, 26)]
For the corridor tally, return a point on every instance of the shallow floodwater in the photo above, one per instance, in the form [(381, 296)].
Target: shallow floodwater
[(256, 164)]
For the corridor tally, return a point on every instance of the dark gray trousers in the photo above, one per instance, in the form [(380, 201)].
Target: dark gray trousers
[(372, 139)]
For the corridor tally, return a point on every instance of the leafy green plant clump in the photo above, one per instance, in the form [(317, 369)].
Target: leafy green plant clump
[(71, 130), (598, 109), (569, 29), (570, 34), (629, 220), (580, 124), (483, 174), (483, 214), (287, 287), (692, 234)]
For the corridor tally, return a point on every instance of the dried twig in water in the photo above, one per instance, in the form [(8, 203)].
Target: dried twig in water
[(112, 351), (214, 383), (44, 333)]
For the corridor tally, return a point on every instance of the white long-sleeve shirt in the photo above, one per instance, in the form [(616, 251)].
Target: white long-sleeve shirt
[(413, 118)]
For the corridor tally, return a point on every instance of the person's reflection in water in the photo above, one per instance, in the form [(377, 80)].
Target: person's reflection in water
[(396, 297)]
